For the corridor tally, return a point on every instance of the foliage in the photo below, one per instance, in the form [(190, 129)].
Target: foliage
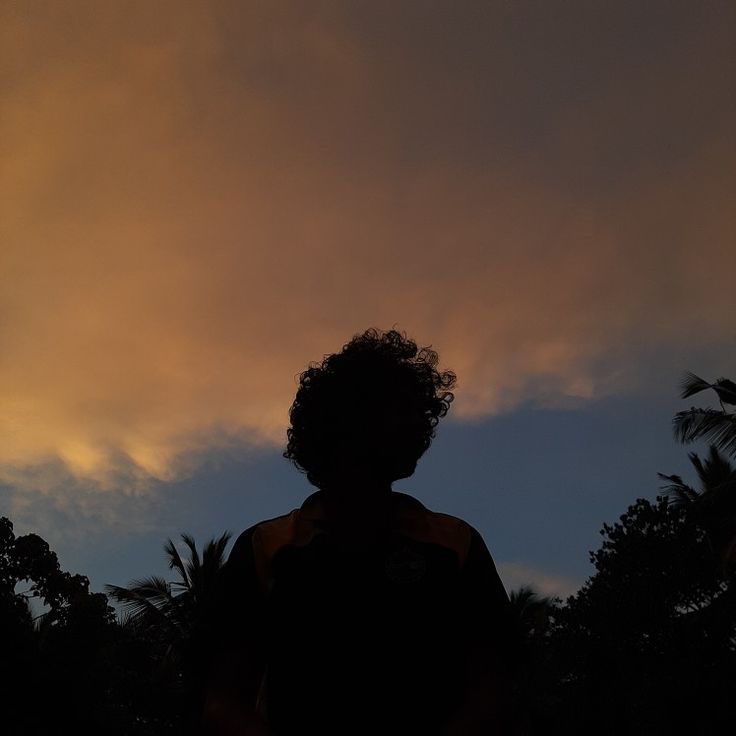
[(97, 674), (534, 670), (174, 606), (712, 506), (716, 426), (166, 615), (650, 634), (59, 656)]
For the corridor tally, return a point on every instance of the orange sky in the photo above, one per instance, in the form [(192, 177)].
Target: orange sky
[(199, 198)]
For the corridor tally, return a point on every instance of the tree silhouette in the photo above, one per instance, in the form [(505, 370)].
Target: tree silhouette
[(173, 607), (716, 426), (166, 614), (534, 670), (647, 644), (713, 505), (531, 609), (63, 657)]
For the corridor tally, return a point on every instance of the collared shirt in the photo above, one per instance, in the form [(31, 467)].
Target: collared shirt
[(362, 640)]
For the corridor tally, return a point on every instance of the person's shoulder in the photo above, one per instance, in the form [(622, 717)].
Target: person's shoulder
[(258, 545), (435, 527), (410, 506), (243, 545)]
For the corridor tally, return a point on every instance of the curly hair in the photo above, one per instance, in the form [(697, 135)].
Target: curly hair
[(350, 402)]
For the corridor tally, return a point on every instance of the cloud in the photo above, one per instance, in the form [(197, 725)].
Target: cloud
[(198, 199), (518, 574)]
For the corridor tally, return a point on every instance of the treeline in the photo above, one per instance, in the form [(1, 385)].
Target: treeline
[(647, 646)]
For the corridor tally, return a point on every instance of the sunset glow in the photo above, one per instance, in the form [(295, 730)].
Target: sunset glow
[(197, 202)]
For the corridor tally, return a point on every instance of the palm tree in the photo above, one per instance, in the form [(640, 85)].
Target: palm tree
[(531, 610), (148, 599), (169, 611), (713, 504), (532, 666), (716, 426)]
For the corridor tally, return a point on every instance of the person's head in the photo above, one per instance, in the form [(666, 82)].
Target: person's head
[(369, 411)]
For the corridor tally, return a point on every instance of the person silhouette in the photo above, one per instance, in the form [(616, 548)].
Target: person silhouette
[(361, 611)]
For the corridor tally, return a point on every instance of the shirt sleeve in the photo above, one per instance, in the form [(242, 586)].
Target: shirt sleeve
[(491, 633), (490, 646)]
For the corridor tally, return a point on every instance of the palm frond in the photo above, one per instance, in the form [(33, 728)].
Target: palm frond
[(711, 425), (176, 563), (214, 551), (531, 609), (188, 539), (714, 471), (522, 595), (193, 565), (526, 597), (146, 597), (213, 558), (152, 586), (726, 390), (127, 621), (153, 601), (135, 603), (717, 483), (692, 384), (679, 492)]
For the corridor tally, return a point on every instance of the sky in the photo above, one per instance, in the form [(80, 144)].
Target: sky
[(198, 199)]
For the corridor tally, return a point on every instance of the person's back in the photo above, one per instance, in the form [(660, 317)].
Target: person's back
[(362, 611)]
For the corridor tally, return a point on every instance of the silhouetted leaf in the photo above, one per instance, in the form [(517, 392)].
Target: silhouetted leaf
[(711, 425), (692, 384)]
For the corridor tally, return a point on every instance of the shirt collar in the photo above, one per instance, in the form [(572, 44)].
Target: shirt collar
[(403, 507)]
